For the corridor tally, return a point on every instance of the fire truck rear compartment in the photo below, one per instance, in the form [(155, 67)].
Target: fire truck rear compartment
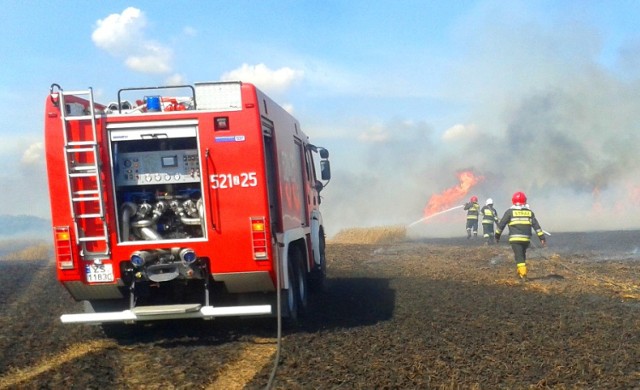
[(157, 183)]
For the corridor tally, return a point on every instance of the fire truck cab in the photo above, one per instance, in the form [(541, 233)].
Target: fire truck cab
[(183, 202)]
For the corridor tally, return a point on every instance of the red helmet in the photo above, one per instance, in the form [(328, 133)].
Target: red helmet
[(519, 199), (474, 198)]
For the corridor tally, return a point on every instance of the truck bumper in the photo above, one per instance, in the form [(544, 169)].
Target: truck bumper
[(166, 312)]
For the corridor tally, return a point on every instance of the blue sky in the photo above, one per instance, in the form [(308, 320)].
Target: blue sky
[(541, 96)]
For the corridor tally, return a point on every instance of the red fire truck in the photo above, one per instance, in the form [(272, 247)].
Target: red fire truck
[(192, 201)]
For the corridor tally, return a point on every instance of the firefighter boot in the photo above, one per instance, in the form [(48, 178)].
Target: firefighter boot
[(488, 238), (468, 234), (522, 272)]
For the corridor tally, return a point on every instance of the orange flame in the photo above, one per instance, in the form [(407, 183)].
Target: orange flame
[(452, 196)]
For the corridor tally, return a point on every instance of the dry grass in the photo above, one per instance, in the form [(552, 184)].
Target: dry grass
[(426, 314), (373, 235)]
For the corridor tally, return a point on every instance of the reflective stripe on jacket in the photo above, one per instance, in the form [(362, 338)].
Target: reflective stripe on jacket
[(489, 215), (473, 210), (520, 221)]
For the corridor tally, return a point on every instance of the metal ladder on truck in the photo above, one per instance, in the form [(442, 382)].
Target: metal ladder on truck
[(82, 160)]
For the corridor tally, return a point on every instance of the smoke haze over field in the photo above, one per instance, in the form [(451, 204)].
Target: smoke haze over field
[(542, 97), (547, 119)]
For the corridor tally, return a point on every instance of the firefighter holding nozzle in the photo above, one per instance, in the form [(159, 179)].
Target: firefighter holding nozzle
[(520, 220), (473, 209)]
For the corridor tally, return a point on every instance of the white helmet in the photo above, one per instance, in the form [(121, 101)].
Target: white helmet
[(489, 201)]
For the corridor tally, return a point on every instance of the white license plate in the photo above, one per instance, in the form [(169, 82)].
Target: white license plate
[(99, 273)]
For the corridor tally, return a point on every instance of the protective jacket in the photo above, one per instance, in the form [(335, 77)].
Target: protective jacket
[(489, 215), (520, 220), (472, 210)]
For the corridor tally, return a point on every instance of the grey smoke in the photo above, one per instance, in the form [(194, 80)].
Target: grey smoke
[(570, 141)]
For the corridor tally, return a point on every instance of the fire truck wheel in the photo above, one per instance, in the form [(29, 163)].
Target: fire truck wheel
[(302, 282), (297, 294), (289, 299), (318, 276)]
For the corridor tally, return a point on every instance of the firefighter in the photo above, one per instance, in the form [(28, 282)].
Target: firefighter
[(489, 217), (520, 220), (473, 210)]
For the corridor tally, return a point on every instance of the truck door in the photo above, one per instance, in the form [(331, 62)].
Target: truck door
[(313, 198), (271, 169), (300, 186)]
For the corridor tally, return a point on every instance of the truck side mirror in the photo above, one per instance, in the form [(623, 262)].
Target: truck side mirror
[(325, 169), (324, 153)]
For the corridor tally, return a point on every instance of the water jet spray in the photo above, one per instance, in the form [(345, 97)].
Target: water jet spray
[(433, 215)]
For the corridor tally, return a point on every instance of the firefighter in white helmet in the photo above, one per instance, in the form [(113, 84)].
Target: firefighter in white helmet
[(520, 220), (489, 217), (473, 209)]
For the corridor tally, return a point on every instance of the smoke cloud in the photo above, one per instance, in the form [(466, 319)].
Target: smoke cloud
[(548, 118)]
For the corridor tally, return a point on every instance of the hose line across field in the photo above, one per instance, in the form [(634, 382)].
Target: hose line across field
[(276, 361)]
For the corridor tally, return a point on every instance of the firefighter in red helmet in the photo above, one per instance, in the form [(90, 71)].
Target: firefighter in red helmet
[(520, 220), (473, 209)]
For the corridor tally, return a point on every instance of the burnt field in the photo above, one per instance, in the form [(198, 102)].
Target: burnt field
[(429, 313)]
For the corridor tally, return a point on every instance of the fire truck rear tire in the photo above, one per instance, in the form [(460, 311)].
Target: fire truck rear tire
[(297, 296), (289, 297), (302, 282)]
